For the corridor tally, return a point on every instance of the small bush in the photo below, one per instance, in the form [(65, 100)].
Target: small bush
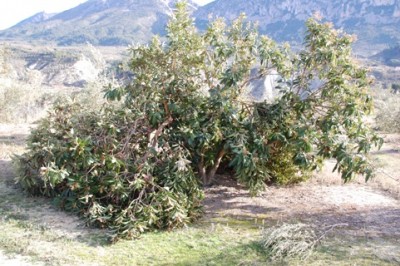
[(284, 171), (388, 111)]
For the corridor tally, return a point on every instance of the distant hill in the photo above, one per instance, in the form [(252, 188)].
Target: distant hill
[(389, 57)]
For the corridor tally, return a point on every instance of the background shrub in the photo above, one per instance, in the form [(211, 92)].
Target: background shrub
[(387, 111)]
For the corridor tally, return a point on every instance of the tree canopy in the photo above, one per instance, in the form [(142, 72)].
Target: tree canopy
[(186, 114)]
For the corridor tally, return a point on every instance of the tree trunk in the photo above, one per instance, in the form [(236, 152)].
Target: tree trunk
[(202, 171), (207, 175)]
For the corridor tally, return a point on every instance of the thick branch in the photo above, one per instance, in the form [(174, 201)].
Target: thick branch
[(218, 160), (153, 138), (202, 170), (157, 133), (207, 178)]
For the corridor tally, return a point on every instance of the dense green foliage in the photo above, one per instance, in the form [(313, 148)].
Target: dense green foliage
[(99, 166), (185, 114)]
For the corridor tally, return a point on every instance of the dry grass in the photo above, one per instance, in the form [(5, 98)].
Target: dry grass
[(289, 241), (7, 150), (12, 139), (387, 169), (387, 162)]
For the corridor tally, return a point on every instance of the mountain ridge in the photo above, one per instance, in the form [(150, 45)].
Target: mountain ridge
[(100, 22), (121, 22), (36, 18)]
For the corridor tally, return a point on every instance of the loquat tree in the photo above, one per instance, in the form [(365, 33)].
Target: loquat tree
[(186, 113)]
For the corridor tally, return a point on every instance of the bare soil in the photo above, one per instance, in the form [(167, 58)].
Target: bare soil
[(358, 207)]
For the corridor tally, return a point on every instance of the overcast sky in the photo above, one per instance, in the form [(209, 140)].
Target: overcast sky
[(13, 11)]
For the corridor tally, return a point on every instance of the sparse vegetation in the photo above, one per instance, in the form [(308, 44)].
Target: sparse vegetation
[(18, 102), (21, 103)]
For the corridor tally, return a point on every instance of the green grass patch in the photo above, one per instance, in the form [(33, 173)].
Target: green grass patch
[(217, 245), (201, 244)]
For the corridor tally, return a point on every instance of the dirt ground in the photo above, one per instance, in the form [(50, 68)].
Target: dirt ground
[(369, 209), (355, 206)]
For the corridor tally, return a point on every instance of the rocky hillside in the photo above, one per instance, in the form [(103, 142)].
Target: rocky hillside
[(374, 21), (56, 67)]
